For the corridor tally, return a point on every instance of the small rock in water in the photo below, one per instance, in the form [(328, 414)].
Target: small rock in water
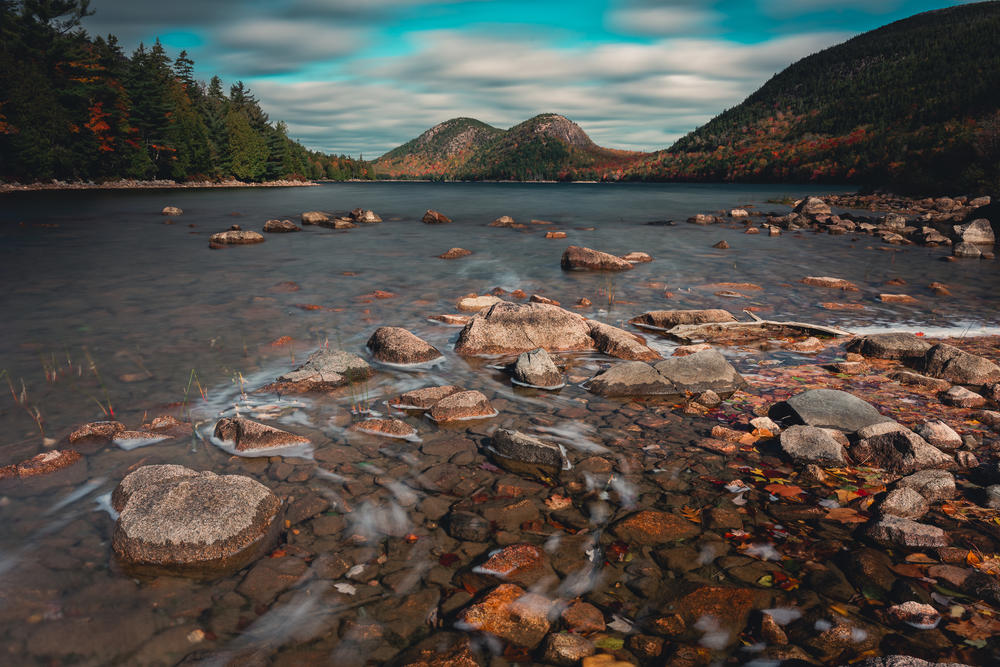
[(914, 614), (904, 502), (236, 237), (171, 210), (423, 399), (455, 253), (390, 428), (511, 614), (721, 245), (322, 371), (637, 257), (41, 464), (249, 435), (537, 298), (892, 345), (101, 431), (523, 448), (896, 448), (364, 216), (827, 408), (474, 304), (897, 298), (566, 649), (280, 226), (833, 283), (809, 443), (555, 235), (314, 217), (536, 369), (503, 221), (619, 343), (461, 406), (959, 367), (577, 257), (668, 319), (432, 217), (933, 485), (652, 527), (896, 531), (512, 328), (468, 526), (395, 345)]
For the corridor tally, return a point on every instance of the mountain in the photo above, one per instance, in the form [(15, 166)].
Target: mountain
[(914, 104), (546, 147)]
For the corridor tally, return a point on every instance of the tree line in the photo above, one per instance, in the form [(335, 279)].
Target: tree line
[(75, 107)]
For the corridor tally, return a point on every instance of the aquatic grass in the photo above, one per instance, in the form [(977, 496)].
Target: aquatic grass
[(21, 400), (609, 289), (192, 380), (106, 406)]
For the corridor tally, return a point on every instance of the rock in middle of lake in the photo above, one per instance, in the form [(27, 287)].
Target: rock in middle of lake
[(395, 345)]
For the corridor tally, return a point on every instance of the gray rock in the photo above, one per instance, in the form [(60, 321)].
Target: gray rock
[(324, 370), (993, 496), (536, 369), (895, 531), (468, 526), (701, 371), (959, 367), (631, 378), (918, 380), (978, 232), (896, 448), (940, 435), (196, 523), (893, 345), (517, 446), (619, 343), (812, 206), (144, 477), (511, 328), (962, 398), (395, 345), (967, 250), (827, 408), (933, 485), (904, 502), (668, 319), (566, 649), (808, 443)]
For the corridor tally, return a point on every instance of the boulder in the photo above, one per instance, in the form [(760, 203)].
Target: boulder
[(510, 328), (575, 257), (248, 435), (933, 485), (432, 217), (959, 367), (978, 232), (422, 399), (827, 408), (455, 253), (511, 614), (536, 369), (893, 345), (668, 319), (896, 448), (364, 216), (619, 343), (904, 502), (695, 373), (892, 531), (280, 226), (236, 237), (171, 210), (503, 221), (940, 435), (812, 206), (961, 397), (322, 371), (462, 406), (194, 523), (522, 448), (314, 217), (812, 444), (395, 345)]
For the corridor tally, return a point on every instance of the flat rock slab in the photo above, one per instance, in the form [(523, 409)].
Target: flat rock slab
[(395, 345), (324, 370), (894, 345), (281, 227), (651, 527), (41, 464), (247, 435), (511, 328), (423, 399), (576, 257), (668, 319), (462, 406), (619, 343), (474, 304), (696, 373), (896, 531), (389, 428), (827, 408), (195, 523), (236, 237)]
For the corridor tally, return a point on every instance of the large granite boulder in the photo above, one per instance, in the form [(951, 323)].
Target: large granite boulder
[(324, 370), (827, 408), (978, 232), (958, 366), (193, 523), (575, 257), (668, 319), (695, 373), (511, 328), (395, 345), (893, 345), (536, 369)]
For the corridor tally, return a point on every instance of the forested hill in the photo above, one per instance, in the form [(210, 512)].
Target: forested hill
[(913, 104), (74, 107)]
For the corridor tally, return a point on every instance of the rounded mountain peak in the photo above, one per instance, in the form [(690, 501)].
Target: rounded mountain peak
[(558, 127)]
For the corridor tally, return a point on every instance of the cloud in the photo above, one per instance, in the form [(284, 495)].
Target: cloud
[(660, 20), (258, 47)]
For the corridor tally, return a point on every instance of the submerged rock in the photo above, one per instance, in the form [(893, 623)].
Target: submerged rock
[(896, 531), (833, 283), (827, 408), (390, 428), (652, 527), (809, 443), (337, 223), (668, 319), (280, 226), (511, 328), (893, 345), (248, 435), (637, 257), (96, 431), (41, 464), (522, 448), (576, 257), (511, 614), (462, 406), (566, 649), (894, 447), (455, 253), (322, 371), (432, 217), (536, 369), (395, 345), (522, 564)]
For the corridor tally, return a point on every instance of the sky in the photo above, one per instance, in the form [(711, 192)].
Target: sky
[(364, 76)]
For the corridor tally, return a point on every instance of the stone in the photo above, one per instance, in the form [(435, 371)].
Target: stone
[(668, 319), (576, 257), (432, 217), (895, 531), (896, 448), (904, 661), (324, 370), (337, 223), (468, 526), (511, 614), (827, 408), (832, 283), (637, 257), (390, 428), (619, 343), (236, 237), (423, 399), (989, 417), (523, 448), (978, 232), (702, 219), (959, 367), (652, 527), (522, 564), (535, 368), (555, 235), (168, 425), (171, 210), (247, 435), (42, 464), (566, 649), (932, 484), (474, 304), (96, 431), (462, 406), (582, 618), (503, 221), (143, 478), (721, 245), (511, 328), (893, 345), (738, 213), (538, 298), (365, 216), (395, 345), (914, 614), (904, 502), (195, 522), (809, 443), (281, 227), (314, 217), (917, 380), (993, 496), (455, 253), (961, 397), (700, 372), (812, 206), (967, 250), (719, 609)]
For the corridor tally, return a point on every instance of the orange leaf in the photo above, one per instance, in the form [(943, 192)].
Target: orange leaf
[(845, 515), (784, 490)]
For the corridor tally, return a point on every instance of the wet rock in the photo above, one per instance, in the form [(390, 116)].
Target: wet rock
[(169, 426), (365, 216), (236, 237), (959, 367), (576, 257), (827, 408), (967, 250), (511, 614), (517, 446), (442, 649), (503, 221), (619, 343), (196, 522), (468, 526), (423, 399), (511, 328), (455, 253), (537, 298), (555, 235), (270, 577), (896, 531), (940, 435), (462, 406), (637, 257), (96, 431), (143, 478), (171, 210), (474, 304), (337, 223), (894, 345), (914, 614), (566, 649), (842, 637), (809, 443), (249, 435), (962, 398), (582, 618), (721, 245), (989, 417), (978, 232), (631, 378), (933, 485), (324, 370), (41, 464), (701, 371), (722, 611), (917, 380), (896, 448), (280, 226), (993, 496), (668, 319), (522, 564), (390, 428), (812, 206), (432, 217), (832, 283), (651, 527), (395, 345), (904, 502), (314, 217), (702, 219), (536, 369)]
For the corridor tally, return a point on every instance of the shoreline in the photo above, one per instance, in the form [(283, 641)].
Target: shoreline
[(125, 184)]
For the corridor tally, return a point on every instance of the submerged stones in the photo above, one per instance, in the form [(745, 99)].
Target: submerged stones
[(695, 373), (511, 614), (462, 406), (832, 283), (389, 428), (395, 345), (248, 435), (891, 530), (535, 368), (193, 522), (455, 253), (827, 408), (652, 527), (96, 431), (576, 257), (324, 370), (668, 319)]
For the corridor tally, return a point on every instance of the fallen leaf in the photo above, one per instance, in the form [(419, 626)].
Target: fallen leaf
[(784, 490), (845, 515)]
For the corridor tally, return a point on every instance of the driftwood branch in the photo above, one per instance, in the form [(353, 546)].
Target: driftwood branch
[(756, 330)]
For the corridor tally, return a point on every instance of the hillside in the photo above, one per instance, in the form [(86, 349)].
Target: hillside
[(914, 104), (546, 147)]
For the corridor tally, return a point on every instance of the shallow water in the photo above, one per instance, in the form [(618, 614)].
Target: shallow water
[(109, 310)]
